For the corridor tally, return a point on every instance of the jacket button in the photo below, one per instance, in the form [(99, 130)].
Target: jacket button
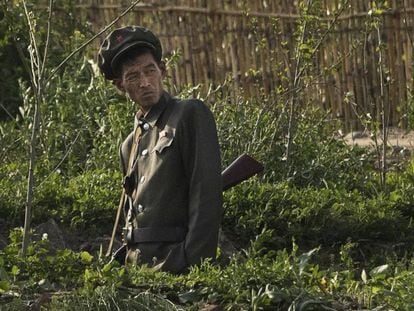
[(140, 208), (145, 127), (144, 152), (142, 179)]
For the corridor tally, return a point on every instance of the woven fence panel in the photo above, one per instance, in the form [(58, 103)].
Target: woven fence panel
[(253, 43)]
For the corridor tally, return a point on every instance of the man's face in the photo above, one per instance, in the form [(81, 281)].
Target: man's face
[(142, 80)]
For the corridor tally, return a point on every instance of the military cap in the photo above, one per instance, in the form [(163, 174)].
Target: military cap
[(122, 39)]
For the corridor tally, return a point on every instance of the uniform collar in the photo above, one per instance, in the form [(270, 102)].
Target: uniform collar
[(154, 113)]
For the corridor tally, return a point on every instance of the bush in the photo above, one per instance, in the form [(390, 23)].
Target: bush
[(12, 191), (314, 216), (86, 203), (320, 157), (251, 281)]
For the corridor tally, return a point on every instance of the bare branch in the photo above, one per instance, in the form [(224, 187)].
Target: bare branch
[(34, 52), (91, 39), (36, 71), (46, 50), (7, 112), (324, 35)]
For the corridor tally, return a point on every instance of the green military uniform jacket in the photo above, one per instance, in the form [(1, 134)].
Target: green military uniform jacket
[(175, 186)]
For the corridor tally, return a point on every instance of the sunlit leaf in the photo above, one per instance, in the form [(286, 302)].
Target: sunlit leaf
[(15, 270), (4, 286), (364, 276), (379, 269), (86, 257), (304, 258), (107, 268)]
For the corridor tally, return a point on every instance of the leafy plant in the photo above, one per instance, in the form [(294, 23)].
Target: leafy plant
[(313, 216)]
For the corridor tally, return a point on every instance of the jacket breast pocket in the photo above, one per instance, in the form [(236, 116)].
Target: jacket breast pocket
[(164, 141)]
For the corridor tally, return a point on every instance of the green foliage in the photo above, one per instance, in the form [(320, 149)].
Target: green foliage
[(315, 216), (78, 111), (85, 203), (11, 70), (95, 197), (83, 122), (253, 280), (14, 39), (320, 157), (110, 298), (40, 269), (280, 281), (12, 185)]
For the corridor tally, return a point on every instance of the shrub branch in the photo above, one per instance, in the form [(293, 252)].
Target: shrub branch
[(36, 72)]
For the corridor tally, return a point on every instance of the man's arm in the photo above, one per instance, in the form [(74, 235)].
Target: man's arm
[(198, 144)]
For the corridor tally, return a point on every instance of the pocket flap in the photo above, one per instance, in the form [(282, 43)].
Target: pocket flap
[(165, 140)]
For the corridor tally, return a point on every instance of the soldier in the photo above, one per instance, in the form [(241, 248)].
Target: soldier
[(171, 160)]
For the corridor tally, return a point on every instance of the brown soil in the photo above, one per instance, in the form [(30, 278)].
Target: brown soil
[(399, 140)]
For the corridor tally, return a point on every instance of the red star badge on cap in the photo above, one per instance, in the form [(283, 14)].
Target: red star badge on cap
[(119, 38)]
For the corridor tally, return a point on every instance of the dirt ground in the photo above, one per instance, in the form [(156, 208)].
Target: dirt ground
[(399, 140)]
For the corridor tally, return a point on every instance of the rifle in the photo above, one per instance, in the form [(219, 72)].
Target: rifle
[(239, 170)]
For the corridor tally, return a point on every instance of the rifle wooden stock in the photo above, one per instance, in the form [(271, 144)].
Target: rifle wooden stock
[(239, 170)]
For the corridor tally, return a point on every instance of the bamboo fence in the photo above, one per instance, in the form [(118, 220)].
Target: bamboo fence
[(253, 43)]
